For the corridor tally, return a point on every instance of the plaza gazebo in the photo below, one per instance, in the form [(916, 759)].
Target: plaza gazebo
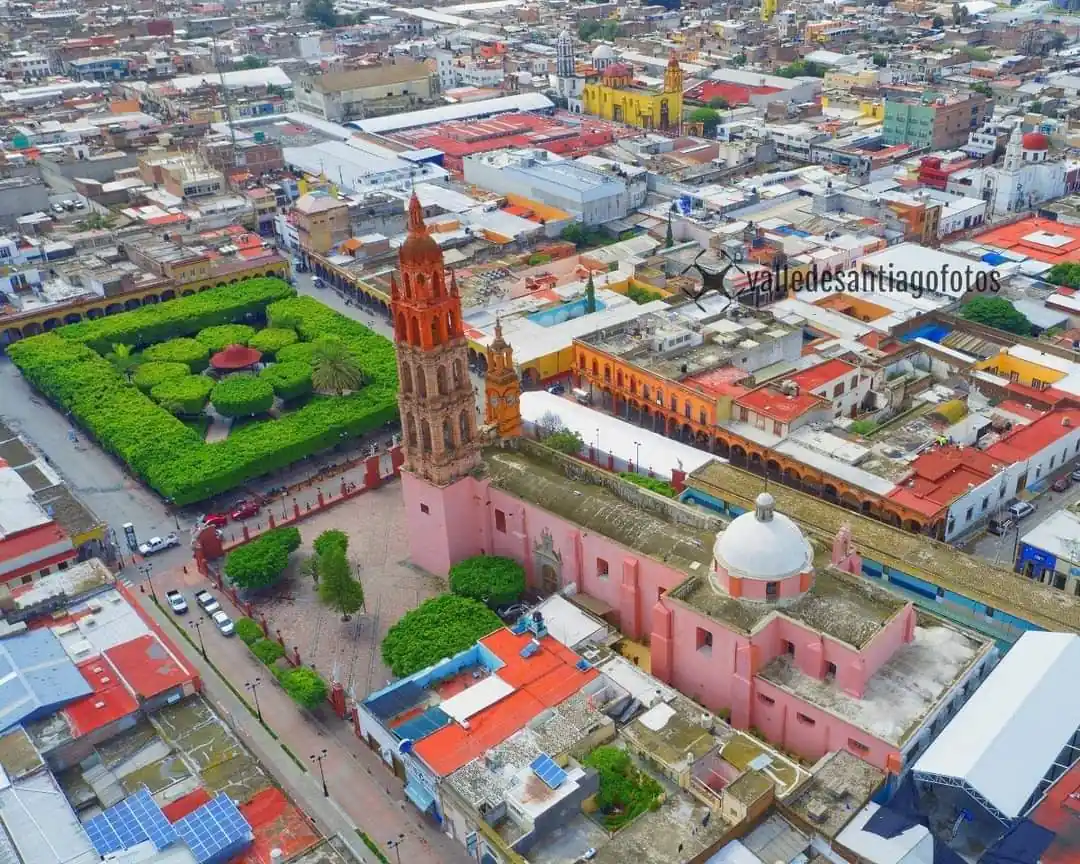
[(235, 358)]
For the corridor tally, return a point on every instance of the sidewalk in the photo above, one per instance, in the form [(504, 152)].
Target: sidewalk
[(363, 792)]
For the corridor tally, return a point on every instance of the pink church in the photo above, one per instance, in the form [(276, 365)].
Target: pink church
[(736, 617)]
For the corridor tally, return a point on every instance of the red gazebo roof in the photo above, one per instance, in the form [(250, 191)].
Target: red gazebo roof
[(235, 357)]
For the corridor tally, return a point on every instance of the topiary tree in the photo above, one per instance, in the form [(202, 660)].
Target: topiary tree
[(996, 312), (332, 539), (247, 631), (190, 352), (300, 352), (305, 687), (221, 337), (242, 396), (436, 629), (150, 375), (290, 380), (186, 395), (273, 339), (491, 579), (337, 587), (262, 561), (267, 651)]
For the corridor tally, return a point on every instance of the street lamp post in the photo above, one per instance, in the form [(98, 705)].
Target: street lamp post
[(598, 444), (147, 569), (253, 686), (318, 759), (198, 629), (394, 844), (637, 457)]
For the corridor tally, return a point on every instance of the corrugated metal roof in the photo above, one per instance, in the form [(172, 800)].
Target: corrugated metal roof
[(460, 111)]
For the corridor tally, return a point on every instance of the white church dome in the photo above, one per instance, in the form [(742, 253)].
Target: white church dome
[(763, 545), (603, 52)]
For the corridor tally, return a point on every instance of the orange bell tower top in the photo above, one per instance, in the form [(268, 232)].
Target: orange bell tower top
[(435, 398), (502, 388)]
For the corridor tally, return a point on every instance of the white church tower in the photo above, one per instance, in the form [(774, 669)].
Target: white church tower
[(567, 82)]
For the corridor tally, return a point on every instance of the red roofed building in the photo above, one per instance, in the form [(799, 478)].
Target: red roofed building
[(110, 709), (1042, 239), (733, 94), (935, 171), (780, 408), (32, 544), (838, 381), (152, 671)]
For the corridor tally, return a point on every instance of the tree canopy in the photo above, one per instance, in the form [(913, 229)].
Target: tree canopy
[(802, 68), (321, 12), (337, 587), (625, 791), (565, 441), (438, 628), (261, 562), (1066, 273), (334, 369), (709, 118), (604, 30), (305, 687), (491, 579), (331, 539), (996, 312)]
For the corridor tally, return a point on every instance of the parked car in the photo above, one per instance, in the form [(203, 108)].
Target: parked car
[(218, 520), (318, 283), (511, 612), (224, 623), (1021, 510), (158, 544), (176, 601), (1000, 525), (556, 389), (206, 600), (80, 204), (56, 208), (1062, 483), (1076, 475), (245, 509)]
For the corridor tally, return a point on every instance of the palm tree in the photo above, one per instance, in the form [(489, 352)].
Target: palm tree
[(333, 368), (122, 358)]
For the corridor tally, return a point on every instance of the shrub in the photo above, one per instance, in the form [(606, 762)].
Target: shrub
[(438, 628), (262, 561), (184, 395), (490, 579), (242, 396), (565, 441), (299, 352), (330, 539), (305, 687), (338, 589), (660, 487), (190, 352), (273, 339), (150, 375), (247, 631), (996, 312), (224, 335), (181, 317), (267, 651), (169, 456), (863, 427), (625, 791), (642, 295), (290, 380)]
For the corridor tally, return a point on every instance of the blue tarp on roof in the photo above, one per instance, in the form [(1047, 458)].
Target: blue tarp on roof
[(430, 721), (994, 259), (1024, 843), (900, 814), (930, 332), (37, 677)]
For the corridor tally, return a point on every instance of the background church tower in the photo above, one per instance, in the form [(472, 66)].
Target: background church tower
[(502, 389), (435, 398), (673, 75), (564, 55)]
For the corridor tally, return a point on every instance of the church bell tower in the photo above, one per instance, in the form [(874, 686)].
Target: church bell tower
[(502, 389), (435, 398)]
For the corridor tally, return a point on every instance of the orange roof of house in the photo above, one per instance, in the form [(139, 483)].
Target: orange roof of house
[(823, 373), (1025, 441), (770, 402), (1059, 812), (718, 382), (1042, 239), (542, 681), (942, 475)]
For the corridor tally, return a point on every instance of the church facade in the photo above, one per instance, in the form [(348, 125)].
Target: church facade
[(616, 97), (737, 617)]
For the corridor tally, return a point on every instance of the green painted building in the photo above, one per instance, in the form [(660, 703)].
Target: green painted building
[(934, 121), (908, 124)]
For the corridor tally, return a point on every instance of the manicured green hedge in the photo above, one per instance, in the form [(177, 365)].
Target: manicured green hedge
[(169, 456), (273, 339), (242, 396), (660, 487), (150, 375), (190, 352), (226, 305), (186, 395), (301, 352), (290, 380), (224, 335), (247, 631), (436, 629), (491, 579)]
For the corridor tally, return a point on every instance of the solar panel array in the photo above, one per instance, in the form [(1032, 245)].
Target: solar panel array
[(216, 831), (545, 768), (420, 727), (134, 820)]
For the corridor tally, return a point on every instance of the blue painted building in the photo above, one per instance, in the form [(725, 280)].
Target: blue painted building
[(1050, 552), (37, 678)]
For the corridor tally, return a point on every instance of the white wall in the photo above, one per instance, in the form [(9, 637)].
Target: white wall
[(983, 501), (1064, 450)]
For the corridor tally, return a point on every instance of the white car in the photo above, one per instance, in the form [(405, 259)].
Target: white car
[(158, 544), (224, 623)]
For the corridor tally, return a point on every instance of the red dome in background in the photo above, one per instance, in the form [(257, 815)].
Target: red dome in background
[(1035, 141), (618, 70)]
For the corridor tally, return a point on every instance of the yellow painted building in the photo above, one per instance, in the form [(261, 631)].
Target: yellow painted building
[(1021, 371), (616, 98)]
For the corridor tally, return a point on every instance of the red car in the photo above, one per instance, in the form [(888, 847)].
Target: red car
[(245, 509), (218, 520)]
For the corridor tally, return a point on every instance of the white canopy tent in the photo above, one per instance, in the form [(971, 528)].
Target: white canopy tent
[(1018, 733)]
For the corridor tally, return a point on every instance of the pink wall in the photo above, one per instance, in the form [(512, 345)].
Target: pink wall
[(448, 531)]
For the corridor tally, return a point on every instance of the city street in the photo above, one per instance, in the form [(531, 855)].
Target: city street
[(1002, 550)]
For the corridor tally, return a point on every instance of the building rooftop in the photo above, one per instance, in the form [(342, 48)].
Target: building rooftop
[(36, 677), (899, 694), (839, 788), (148, 666), (367, 76), (919, 556), (845, 607), (1044, 240), (41, 824), (525, 473), (110, 700), (773, 402)]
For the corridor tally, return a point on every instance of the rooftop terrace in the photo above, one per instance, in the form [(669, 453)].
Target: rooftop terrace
[(840, 788), (845, 607), (901, 693)]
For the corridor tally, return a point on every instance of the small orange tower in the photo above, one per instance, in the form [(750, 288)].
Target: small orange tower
[(502, 389)]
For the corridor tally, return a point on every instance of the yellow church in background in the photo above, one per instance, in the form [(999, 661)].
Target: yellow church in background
[(615, 97)]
